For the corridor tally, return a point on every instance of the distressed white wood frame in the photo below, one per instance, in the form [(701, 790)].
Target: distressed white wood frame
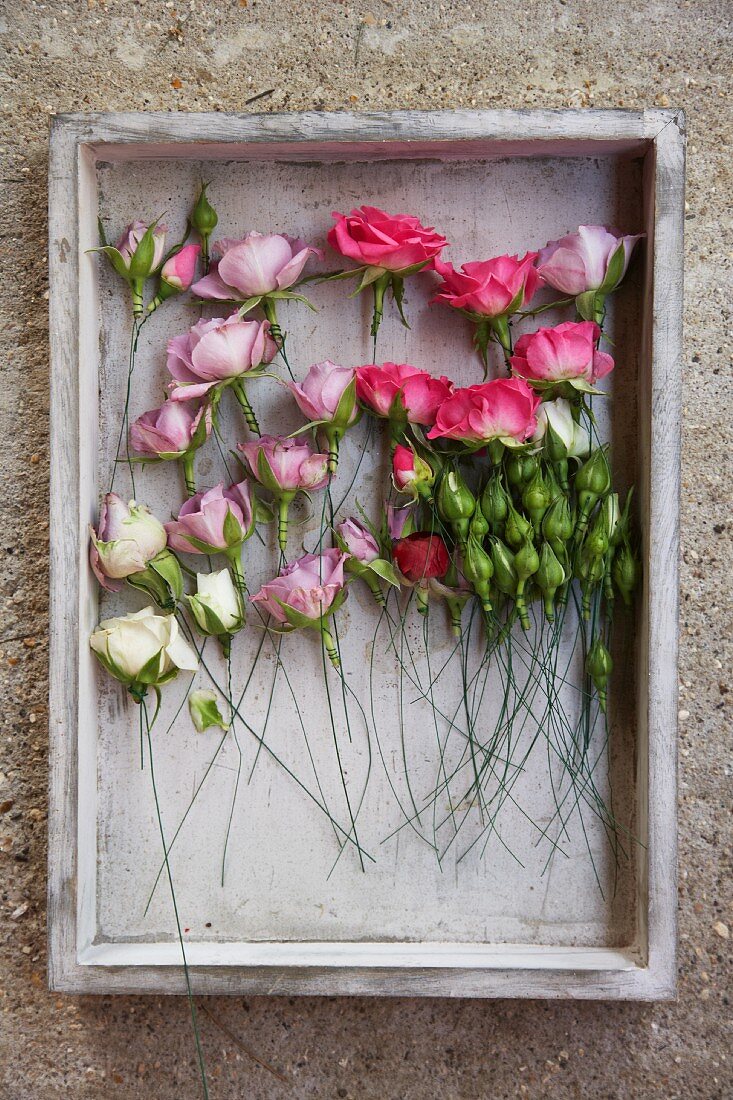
[(78, 142)]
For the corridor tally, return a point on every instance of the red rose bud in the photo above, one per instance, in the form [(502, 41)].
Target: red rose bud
[(410, 473), (421, 556)]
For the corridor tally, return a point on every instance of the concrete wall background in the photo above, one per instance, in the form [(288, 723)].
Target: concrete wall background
[(133, 54)]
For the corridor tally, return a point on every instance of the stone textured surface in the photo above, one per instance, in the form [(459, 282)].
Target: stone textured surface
[(375, 54)]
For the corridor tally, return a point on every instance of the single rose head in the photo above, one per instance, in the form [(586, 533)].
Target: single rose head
[(178, 272), (218, 520), (254, 267), (556, 417), (411, 474), (217, 351), (285, 465), (400, 521), (503, 409), (327, 393), (309, 587), (421, 556), (171, 430), (394, 242), (127, 247), (142, 649), (358, 540), (489, 288), (565, 353), (582, 261), (127, 538), (400, 392), (216, 607)]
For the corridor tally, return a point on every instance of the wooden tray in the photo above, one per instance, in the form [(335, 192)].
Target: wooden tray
[(492, 181)]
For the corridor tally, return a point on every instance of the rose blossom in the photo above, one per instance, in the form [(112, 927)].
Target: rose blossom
[(127, 538), (558, 416), (255, 266), (421, 556), (170, 430), (179, 270), (216, 607), (217, 351), (218, 520), (410, 473), (399, 520), (308, 586), (489, 288), (358, 540), (580, 261), (400, 391), (394, 242), (564, 353), (319, 394), (289, 465), (503, 409), (130, 239), (126, 645)]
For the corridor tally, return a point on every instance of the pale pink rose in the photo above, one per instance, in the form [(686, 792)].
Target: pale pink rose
[(503, 409), (320, 392), (394, 242), (169, 430), (204, 516), (358, 540), (216, 351), (131, 238), (399, 520), (180, 269), (566, 352), (489, 288), (287, 465), (579, 261), (308, 586), (254, 266), (401, 392), (128, 536)]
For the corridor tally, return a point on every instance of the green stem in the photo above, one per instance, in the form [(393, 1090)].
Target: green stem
[(249, 416), (189, 476), (283, 506), (330, 645)]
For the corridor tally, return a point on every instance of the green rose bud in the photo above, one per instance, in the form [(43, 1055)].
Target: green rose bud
[(517, 527), (625, 572), (456, 503), (549, 577), (592, 481), (494, 503), (478, 569), (536, 498), (599, 666), (505, 575)]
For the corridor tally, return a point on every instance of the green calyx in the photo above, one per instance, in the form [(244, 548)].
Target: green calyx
[(456, 503), (516, 528), (161, 579), (599, 665), (204, 218), (478, 568), (505, 575), (520, 468), (625, 572), (537, 497), (494, 503)]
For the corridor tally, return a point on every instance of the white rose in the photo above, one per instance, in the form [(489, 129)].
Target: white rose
[(216, 605), (126, 645), (128, 537), (558, 415)]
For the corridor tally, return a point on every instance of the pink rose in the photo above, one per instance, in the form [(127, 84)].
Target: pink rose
[(401, 392), (580, 261), (319, 394), (410, 473), (503, 409), (489, 288), (217, 351), (130, 239), (400, 520), (308, 586), (285, 465), (394, 242), (171, 430), (179, 270), (255, 266), (216, 520), (128, 536), (564, 353), (358, 540)]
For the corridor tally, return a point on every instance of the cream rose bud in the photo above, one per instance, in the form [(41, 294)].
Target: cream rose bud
[(128, 537), (216, 606), (142, 648), (558, 416)]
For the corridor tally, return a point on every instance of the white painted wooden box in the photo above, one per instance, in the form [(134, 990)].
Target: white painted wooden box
[(492, 181)]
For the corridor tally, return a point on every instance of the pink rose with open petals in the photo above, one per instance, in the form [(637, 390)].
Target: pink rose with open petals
[(217, 351), (503, 409), (358, 540), (255, 266), (319, 394), (489, 288), (216, 520), (171, 430), (581, 261), (399, 391), (394, 242), (567, 352), (308, 586), (285, 465)]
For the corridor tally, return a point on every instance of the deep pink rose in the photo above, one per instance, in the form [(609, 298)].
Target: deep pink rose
[(215, 351), (169, 430), (418, 394), (410, 473), (130, 239), (254, 266), (358, 540), (489, 288), (565, 352), (289, 464), (390, 241), (503, 409), (180, 269), (308, 586), (320, 392), (204, 517), (579, 261)]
